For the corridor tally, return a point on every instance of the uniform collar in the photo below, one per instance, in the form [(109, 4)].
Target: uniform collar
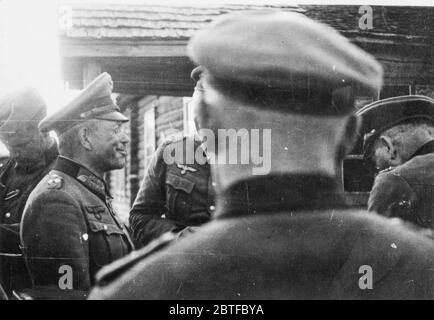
[(83, 174), (425, 149), (276, 193)]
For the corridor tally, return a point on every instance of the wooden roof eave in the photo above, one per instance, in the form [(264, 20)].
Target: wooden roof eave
[(82, 48)]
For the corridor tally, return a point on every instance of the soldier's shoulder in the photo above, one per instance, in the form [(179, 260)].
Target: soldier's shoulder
[(390, 175), (179, 142), (183, 138), (116, 269), (382, 233), (53, 181), (175, 138), (393, 177), (52, 189), (386, 171)]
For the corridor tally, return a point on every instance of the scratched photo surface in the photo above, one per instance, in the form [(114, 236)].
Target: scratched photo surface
[(216, 150)]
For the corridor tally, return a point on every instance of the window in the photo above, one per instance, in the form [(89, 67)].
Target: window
[(395, 91)]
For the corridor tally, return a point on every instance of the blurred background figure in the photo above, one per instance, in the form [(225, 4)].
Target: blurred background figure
[(177, 197), (399, 143), (31, 155)]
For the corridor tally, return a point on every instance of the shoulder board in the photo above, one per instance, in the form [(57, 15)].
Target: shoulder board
[(54, 181), (119, 267), (185, 138)]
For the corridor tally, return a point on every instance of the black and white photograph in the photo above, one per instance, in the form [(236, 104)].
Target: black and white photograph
[(216, 155)]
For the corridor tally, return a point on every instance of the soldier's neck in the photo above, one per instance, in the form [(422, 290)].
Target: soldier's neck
[(288, 144), (285, 158)]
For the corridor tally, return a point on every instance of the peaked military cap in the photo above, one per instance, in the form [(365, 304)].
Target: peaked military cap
[(93, 102), (382, 115), (20, 107), (285, 51)]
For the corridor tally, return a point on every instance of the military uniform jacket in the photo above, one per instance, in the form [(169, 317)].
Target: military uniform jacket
[(407, 191), (173, 196), (280, 237), (16, 184), (69, 231)]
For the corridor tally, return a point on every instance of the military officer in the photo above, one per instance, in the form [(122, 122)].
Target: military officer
[(285, 234), (174, 197), (32, 154), (69, 228), (399, 141)]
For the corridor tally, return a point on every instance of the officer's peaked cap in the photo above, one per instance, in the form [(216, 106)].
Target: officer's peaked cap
[(93, 102), (382, 115)]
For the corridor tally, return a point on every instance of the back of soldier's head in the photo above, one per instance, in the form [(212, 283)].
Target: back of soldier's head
[(268, 67)]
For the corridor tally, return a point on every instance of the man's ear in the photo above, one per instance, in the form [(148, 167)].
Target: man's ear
[(83, 136)]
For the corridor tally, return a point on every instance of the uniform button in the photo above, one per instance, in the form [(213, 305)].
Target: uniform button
[(212, 208), (8, 215), (85, 236), (105, 227)]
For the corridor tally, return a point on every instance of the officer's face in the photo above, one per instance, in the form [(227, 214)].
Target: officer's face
[(380, 159), (382, 155), (109, 145), (25, 144)]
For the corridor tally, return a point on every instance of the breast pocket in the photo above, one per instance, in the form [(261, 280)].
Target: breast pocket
[(179, 197), (107, 240)]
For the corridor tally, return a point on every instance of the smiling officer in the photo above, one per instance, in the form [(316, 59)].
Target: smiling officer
[(69, 228)]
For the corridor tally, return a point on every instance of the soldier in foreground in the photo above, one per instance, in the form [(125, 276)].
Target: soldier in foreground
[(176, 197), (287, 234), (69, 229), (32, 155), (399, 141)]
